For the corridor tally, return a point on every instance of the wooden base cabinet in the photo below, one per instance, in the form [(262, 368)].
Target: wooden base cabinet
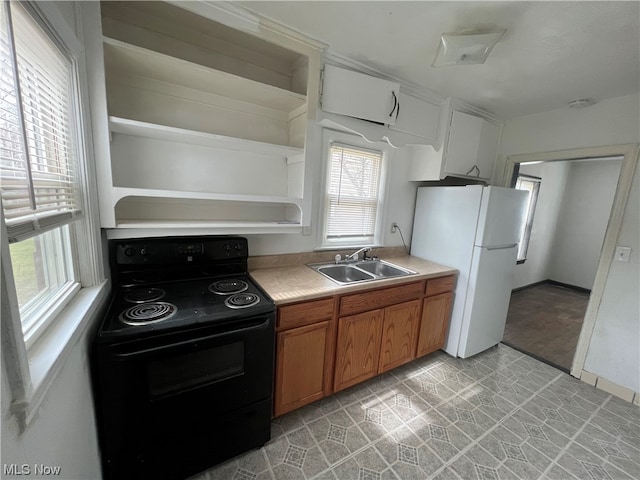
[(326, 345), (399, 332), (357, 348), (305, 352), (436, 311)]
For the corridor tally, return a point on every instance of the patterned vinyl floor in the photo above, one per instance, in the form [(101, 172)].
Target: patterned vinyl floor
[(498, 415)]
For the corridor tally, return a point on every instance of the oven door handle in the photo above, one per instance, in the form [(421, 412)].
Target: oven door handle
[(196, 342)]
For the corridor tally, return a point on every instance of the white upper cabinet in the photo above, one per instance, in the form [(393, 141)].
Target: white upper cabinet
[(357, 95), (469, 150), (417, 117)]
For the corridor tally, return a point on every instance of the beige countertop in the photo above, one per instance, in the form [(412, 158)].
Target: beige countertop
[(294, 283)]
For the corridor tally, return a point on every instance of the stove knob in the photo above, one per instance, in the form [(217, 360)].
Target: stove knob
[(130, 252), (227, 247), (238, 246), (144, 251)]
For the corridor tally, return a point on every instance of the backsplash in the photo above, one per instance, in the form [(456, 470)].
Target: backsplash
[(288, 259)]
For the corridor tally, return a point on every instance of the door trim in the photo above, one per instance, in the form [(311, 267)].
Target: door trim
[(629, 152)]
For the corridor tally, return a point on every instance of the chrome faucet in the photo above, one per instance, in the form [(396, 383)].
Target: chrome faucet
[(354, 256)]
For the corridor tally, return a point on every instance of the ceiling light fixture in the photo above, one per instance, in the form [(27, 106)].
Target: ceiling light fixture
[(465, 48)]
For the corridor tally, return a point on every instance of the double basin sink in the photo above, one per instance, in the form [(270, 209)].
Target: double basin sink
[(346, 273)]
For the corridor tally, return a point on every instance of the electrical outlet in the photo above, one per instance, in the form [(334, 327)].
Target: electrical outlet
[(394, 227), (623, 254)]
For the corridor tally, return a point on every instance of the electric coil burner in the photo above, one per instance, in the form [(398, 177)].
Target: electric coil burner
[(242, 300), (226, 287), (146, 313), (142, 295), (183, 361)]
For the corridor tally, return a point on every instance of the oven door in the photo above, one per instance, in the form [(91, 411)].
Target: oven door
[(181, 402), (233, 363)]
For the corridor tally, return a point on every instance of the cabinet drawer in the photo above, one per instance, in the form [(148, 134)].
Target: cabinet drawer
[(305, 313), (441, 285), (370, 300)]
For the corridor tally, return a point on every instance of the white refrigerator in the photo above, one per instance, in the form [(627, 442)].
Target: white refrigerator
[(476, 230)]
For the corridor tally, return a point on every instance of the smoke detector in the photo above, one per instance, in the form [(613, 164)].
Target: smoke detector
[(581, 103)]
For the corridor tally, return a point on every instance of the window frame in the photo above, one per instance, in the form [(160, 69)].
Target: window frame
[(32, 366), (525, 237), (330, 137)]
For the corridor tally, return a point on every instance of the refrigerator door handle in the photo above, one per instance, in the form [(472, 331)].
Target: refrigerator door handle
[(501, 247)]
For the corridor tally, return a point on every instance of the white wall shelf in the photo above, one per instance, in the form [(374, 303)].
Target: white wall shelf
[(163, 132), (207, 125), (119, 193), (142, 62)]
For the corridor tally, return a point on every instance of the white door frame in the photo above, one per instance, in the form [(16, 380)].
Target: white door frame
[(629, 153)]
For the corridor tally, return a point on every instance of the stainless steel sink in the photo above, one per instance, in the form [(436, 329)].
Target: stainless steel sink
[(345, 273), (382, 269), (364, 271)]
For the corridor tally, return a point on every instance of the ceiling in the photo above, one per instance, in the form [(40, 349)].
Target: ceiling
[(552, 52)]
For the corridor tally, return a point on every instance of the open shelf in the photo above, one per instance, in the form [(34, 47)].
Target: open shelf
[(142, 62), (122, 192), (207, 123), (162, 132)]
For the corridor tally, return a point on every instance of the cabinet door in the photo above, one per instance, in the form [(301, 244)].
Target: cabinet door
[(462, 147), (300, 366), (488, 148), (358, 95), (436, 311), (399, 331), (417, 117), (357, 348)]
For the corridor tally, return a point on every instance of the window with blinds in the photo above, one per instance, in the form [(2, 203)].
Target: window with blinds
[(38, 159), (352, 193)]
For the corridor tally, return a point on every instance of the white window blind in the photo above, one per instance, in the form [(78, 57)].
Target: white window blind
[(38, 159), (352, 192)]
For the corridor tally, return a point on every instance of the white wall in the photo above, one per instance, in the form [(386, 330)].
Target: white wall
[(613, 353), (545, 220), (63, 433), (586, 207)]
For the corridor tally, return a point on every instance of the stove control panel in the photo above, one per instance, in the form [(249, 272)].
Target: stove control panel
[(179, 250)]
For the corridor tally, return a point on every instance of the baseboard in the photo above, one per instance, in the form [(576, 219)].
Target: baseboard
[(607, 386), (569, 286), (548, 281), (530, 285)]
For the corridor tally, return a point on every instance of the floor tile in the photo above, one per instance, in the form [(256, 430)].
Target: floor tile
[(404, 402), (439, 434), (374, 417), (295, 456), (478, 464), (611, 448), (367, 465), (337, 435), (466, 416), (407, 454), (497, 415), (582, 463)]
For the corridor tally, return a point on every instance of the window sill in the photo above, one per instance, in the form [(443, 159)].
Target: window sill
[(49, 353)]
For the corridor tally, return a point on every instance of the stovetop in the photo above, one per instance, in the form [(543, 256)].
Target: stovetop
[(142, 310)]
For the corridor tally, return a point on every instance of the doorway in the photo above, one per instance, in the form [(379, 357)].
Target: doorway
[(626, 155), (569, 207)]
